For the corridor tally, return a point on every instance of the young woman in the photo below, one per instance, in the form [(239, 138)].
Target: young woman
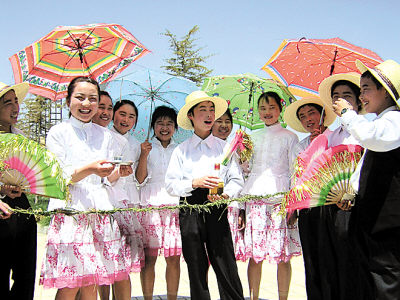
[(83, 250), (267, 237), (17, 232), (162, 233)]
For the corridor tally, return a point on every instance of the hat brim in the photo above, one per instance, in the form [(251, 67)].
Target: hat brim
[(20, 89), (290, 115), (326, 85), (220, 106), (363, 68)]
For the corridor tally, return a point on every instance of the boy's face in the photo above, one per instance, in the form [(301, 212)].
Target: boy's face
[(345, 92), (203, 116), (373, 99), (9, 109), (309, 117)]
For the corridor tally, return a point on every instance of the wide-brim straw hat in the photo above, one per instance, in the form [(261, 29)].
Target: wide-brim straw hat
[(20, 89), (290, 115), (388, 74), (325, 87), (220, 106)]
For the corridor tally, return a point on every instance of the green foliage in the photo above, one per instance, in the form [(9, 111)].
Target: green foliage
[(37, 117), (186, 60), (41, 203)]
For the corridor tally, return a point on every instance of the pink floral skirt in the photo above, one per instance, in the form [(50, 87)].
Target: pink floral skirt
[(133, 232), (237, 235), (162, 232), (267, 236), (83, 250)]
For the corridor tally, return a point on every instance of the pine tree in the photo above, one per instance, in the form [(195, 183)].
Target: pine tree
[(37, 117), (187, 61)]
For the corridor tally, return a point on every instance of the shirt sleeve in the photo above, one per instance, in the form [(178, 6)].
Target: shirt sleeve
[(55, 143), (382, 134), (175, 183), (234, 180)]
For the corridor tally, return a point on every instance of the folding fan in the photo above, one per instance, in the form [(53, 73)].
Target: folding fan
[(326, 179), (31, 166)]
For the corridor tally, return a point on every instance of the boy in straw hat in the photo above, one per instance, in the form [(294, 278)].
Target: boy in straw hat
[(309, 115), (206, 236), (17, 232), (375, 217)]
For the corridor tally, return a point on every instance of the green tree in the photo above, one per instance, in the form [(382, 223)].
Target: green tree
[(37, 116), (186, 61)]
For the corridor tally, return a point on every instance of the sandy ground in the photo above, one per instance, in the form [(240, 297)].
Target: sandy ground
[(268, 289)]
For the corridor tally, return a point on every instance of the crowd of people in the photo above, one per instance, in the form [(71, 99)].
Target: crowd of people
[(350, 249)]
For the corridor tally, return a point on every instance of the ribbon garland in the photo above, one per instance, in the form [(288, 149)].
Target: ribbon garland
[(185, 205)]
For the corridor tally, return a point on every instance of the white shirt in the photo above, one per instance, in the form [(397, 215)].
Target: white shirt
[(269, 166), (195, 158), (152, 190), (340, 136), (77, 144), (380, 135), (131, 153)]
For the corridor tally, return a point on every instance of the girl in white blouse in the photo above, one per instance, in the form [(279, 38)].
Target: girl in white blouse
[(83, 250), (162, 233), (267, 237)]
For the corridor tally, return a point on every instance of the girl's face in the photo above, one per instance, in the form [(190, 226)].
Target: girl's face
[(9, 109), (345, 92), (84, 100), (222, 127), (164, 129), (104, 113), (124, 118), (269, 111), (373, 99), (203, 117)]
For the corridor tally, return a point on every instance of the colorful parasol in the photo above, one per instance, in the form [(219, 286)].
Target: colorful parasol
[(100, 51), (149, 89), (242, 92), (326, 179), (303, 64), (31, 166)]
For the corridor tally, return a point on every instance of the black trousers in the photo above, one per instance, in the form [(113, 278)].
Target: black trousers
[(207, 237), (18, 253), (309, 222)]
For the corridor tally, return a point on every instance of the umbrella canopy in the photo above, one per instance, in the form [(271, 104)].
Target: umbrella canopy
[(242, 92), (100, 51), (149, 89), (303, 64)]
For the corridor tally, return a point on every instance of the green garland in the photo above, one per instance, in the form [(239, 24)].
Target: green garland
[(185, 205)]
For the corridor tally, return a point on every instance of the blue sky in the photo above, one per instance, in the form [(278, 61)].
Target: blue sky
[(242, 35)]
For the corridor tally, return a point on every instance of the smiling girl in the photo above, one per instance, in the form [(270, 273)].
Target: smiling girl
[(83, 250), (161, 226), (267, 237)]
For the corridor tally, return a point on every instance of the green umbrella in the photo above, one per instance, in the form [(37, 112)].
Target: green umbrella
[(242, 92)]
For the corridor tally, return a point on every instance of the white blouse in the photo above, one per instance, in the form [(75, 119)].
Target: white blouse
[(152, 190), (269, 166), (77, 144), (132, 153)]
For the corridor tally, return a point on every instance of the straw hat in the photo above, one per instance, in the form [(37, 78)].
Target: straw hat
[(388, 74), (194, 98), (20, 89), (325, 87), (290, 115)]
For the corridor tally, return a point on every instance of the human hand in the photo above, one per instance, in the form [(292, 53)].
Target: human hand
[(317, 132), (206, 182), (102, 168), (4, 210), (216, 197), (125, 171), (339, 105), (241, 220), (11, 191), (344, 204), (145, 148), (291, 218)]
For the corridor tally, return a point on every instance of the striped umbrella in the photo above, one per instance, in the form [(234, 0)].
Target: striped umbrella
[(303, 64), (100, 51)]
